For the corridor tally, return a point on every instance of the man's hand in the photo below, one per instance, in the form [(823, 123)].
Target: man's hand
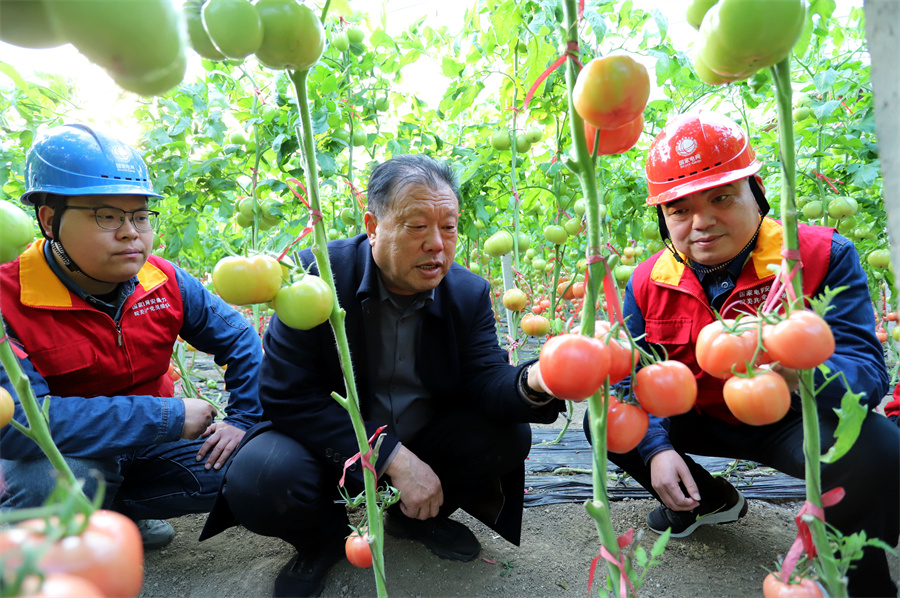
[(667, 469), (198, 415), (535, 380), (420, 489), (221, 440)]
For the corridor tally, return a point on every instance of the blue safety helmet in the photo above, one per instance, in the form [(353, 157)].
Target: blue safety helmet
[(80, 160)]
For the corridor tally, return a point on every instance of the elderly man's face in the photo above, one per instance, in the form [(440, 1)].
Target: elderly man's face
[(414, 243), (713, 226)]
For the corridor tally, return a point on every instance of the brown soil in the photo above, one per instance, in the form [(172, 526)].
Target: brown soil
[(558, 544)]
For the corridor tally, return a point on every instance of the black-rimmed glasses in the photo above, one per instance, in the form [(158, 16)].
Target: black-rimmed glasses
[(114, 218)]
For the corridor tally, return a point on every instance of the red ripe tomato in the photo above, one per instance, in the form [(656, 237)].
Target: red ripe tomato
[(802, 341), (719, 351), (537, 308), (758, 401), (534, 325), (890, 316), (666, 388), (614, 141), (358, 551), (626, 426), (173, 372), (881, 334), (611, 91), (773, 587), (578, 290), (61, 586), (565, 291), (545, 303), (108, 553), (247, 280), (574, 366)]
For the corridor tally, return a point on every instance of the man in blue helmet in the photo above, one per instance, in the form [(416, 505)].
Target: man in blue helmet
[(93, 318)]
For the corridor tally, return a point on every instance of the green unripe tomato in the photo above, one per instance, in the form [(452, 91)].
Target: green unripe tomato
[(243, 221), (813, 209), (293, 37), (581, 265), (341, 134), (533, 134), (28, 25), (622, 273), (211, 384), (347, 216), (650, 231), (556, 234), (695, 11), (474, 268), (359, 137), (846, 225), (233, 27), (522, 144), (341, 42), (479, 224), (382, 104), (16, 231), (802, 113), (601, 211), (500, 141), (580, 207), (524, 242), (572, 226), (333, 234), (895, 333), (539, 265), (840, 207), (355, 35), (199, 39), (305, 304), (530, 253), (500, 243), (879, 258)]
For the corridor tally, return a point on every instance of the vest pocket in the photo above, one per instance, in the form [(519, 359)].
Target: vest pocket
[(71, 370), (675, 336)]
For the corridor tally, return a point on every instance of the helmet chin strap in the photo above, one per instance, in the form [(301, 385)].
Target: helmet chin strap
[(67, 261), (671, 247)]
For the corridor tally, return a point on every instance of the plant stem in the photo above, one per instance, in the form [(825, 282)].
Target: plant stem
[(599, 507), (781, 74), (351, 403), (38, 428)]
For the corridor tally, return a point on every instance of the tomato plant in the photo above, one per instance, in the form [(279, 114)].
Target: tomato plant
[(108, 553), (773, 587), (666, 388), (626, 426), (358, 551), (293, 36), (803, 340), (574, 366), (7, 407), (304, 304), (244, 281), (611, 91), (758, 400), (16, 231)]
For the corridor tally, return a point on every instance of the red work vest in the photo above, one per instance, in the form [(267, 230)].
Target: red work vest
[(81, 351), (676, 309)]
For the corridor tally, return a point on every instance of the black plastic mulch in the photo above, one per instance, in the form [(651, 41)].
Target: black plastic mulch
[(544, 487)]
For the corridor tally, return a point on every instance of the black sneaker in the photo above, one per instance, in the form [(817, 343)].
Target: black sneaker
[(446, 538), (724, 506), (305, 575)]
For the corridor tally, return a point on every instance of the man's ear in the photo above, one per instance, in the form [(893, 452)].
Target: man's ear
[(45, 218), (371, 222)]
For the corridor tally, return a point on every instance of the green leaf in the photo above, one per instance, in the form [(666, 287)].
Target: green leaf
[(451, 68), (851, 414), (9, 71)]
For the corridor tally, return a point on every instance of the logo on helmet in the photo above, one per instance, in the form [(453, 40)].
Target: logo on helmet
[(686, 146)]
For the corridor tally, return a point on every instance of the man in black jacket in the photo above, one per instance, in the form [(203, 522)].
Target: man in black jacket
[(427, 364)]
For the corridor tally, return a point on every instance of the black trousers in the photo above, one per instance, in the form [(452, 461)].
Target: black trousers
[(869, 473), (276, 487)]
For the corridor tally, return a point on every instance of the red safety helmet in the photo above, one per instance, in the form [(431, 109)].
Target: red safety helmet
[(695, 152)]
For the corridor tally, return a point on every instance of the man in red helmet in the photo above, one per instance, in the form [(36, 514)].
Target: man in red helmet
[(711, 206)]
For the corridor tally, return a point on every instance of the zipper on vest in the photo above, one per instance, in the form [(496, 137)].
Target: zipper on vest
[(119, 331)]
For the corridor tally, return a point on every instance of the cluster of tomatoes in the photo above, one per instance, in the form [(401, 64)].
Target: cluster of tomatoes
[(610, 94), (734, 43), (731, 350), (105, 559), (303, 304)]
